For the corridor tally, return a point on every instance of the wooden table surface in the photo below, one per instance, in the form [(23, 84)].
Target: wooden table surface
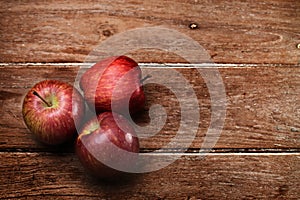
[(255, 46)]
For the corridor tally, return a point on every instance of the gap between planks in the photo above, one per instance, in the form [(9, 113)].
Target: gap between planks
[(199, 154), (166, 151), (158, 65)]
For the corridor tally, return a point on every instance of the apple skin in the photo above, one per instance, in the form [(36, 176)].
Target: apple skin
[(114, 80), (53, 124), (102, 142)]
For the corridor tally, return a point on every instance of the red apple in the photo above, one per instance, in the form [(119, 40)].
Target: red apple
[(114, 84), (107, 145), (51, 111)]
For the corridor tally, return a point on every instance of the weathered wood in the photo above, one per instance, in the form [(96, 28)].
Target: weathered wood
[(232, 32), (257, 156), (224, 176), (262, 111)]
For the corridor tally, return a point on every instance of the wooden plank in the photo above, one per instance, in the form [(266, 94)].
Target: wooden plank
[(262, 111), (231, 32), (224, 176)]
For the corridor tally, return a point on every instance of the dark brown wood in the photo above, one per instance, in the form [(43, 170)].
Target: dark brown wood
[(231, 32), (223, 176), (262, 111)]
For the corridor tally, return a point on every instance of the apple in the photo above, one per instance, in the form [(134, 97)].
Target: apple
[(114, 84), (51, 110), (107, 146)]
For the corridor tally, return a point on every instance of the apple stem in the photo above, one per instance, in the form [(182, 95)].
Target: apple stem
[(39, 96), (145, 78)]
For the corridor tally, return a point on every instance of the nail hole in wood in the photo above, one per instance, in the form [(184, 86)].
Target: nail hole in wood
[(193, 26)]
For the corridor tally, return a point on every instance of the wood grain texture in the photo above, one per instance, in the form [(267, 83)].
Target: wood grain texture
[(231, 32), (232, 176), (262, 106), (257, 155)]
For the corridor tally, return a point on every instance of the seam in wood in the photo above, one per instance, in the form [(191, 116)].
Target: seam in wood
[(158, 65)]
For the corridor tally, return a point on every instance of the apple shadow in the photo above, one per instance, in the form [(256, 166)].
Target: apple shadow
[(125, 181), (66, 147)]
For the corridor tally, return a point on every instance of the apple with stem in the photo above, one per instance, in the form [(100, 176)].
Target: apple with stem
[(114, 81), (107, 146), (51, 110)]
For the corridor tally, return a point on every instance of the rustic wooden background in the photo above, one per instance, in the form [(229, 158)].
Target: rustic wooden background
[(256, 47)]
